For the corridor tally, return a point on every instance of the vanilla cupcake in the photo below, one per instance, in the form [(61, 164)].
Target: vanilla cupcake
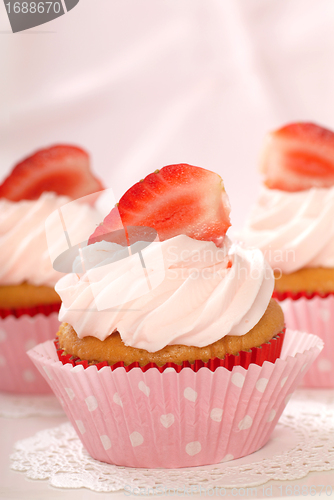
[(29, 305), (292, 223), (192, 258), (169, 354), (211, 303)]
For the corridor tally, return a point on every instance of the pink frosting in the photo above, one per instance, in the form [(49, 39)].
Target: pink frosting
[(24, 255), (294, 230), (180, 291)]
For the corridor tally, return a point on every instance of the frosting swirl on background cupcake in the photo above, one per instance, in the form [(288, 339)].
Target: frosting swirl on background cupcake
[(293, 229), (24, 255), (179, 291)]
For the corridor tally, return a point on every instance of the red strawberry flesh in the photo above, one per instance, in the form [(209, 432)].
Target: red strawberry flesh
[(178, 199), (299, 156), (63, 169)]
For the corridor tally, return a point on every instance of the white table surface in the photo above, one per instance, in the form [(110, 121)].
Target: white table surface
[(15, 486)]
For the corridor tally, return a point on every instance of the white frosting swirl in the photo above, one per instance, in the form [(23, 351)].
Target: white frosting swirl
[(186, 293), (24, 255), (294, 230)]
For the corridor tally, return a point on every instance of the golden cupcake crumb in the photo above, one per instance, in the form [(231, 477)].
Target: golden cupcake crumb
[(26, 295), (113, 350), (312, 279)]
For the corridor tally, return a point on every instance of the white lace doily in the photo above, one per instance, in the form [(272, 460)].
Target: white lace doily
[(301, 443), (17, 406)]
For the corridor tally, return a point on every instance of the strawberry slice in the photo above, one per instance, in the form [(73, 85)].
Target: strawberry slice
[(299, 156), (178, 199), (62, 169)]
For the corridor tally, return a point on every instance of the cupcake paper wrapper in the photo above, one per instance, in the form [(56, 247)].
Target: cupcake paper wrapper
[(269, 351), (314, 314), (152, 419), (18, 333)]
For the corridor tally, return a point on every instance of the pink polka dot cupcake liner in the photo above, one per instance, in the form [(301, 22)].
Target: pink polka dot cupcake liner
[(166, 419), (313, 313), (21, 330)]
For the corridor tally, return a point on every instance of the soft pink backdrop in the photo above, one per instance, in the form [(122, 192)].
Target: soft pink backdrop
[(142, 84)]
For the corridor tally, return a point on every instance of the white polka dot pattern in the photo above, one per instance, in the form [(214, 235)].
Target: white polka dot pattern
[(271, 415), (70, 393), (324, 365), (287, 399), (144, 388), (245, 423), (167, 420), (106, 443), (227, 458), (238, 379), (136, 439), (117, 399), (190, 394), (325, 315), (29, 376), (261, 384), (30, 344), (91, 403), (80, 426), (47, 371), (193, 448), (216, 414), (3, 335)]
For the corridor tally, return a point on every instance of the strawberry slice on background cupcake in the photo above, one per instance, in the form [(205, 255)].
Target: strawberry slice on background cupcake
[(35, 188), (292, 223), (297, 157), (61, 169)]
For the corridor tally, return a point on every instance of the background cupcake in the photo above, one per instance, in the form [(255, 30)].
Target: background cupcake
[(204, 295), (29, 306), (292, 223)]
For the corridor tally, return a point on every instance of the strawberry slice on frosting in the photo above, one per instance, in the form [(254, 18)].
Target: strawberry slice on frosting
[(178, 199)]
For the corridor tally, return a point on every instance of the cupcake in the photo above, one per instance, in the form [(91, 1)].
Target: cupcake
[(29, 305), (292, 223), (169, 350)]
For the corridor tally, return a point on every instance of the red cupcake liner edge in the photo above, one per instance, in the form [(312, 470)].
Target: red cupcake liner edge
[(269, 351), (45, 309), (297, 295)]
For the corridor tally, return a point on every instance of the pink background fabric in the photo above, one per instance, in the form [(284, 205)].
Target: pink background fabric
[(150, 83)]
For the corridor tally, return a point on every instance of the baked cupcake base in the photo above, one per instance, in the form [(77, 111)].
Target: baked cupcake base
[(27, 295), (318, 280), (112, 350), (169, 419), (269, 351)]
